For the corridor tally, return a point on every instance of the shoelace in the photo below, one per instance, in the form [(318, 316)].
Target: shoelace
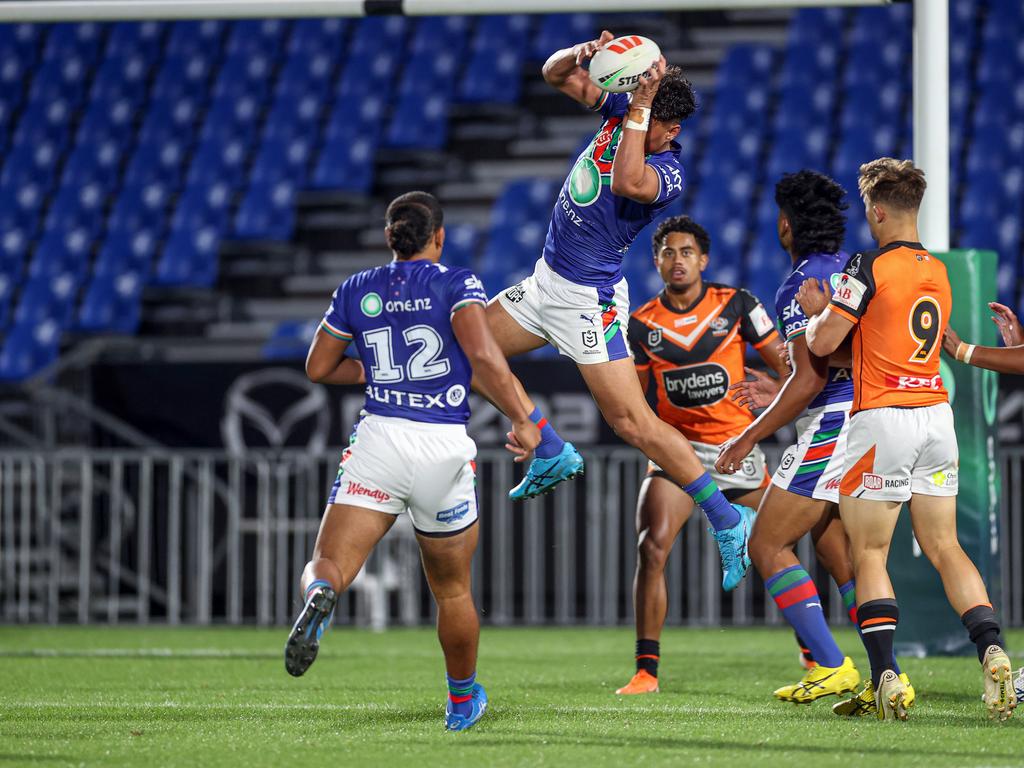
[(726, 547)]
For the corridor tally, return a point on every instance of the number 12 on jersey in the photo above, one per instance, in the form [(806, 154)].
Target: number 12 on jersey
[(423, 363)]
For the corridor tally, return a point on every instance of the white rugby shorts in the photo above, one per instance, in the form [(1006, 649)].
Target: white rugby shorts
[(584, 323), (753, 472), (813, 466), (396, 465), (892, 453)]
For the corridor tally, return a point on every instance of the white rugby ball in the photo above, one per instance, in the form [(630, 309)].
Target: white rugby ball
[(619, 64)]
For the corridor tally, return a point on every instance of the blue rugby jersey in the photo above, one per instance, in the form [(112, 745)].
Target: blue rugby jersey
[(793, 322), (591, 229), (399, 317)]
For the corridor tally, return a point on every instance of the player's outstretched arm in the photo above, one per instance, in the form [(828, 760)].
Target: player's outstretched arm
[(564, 70), (326, 362), (810, 374), (492, 377), (1001, 359), (632, 177)]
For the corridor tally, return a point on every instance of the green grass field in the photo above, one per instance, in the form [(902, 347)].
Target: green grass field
[(221, 697)]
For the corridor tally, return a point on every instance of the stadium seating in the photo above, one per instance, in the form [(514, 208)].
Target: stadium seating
[(130, 152)]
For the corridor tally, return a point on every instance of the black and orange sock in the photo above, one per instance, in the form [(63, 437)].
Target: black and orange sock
[(648, 653), (983, 628), (878, 620)]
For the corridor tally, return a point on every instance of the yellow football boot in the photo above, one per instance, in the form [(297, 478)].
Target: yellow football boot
[(1000, 697), (890, 703), (821, 681), (642, 682), (864, 702)]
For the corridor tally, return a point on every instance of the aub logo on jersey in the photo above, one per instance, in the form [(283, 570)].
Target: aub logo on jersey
[(693, 386)]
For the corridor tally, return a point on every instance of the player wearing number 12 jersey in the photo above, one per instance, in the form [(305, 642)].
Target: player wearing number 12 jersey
[(421, 331), (689, 344), (901, 445)]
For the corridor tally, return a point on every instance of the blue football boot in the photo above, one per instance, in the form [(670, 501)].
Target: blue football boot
[(304, 641), (456, 722), (544, 474), (732, 546)]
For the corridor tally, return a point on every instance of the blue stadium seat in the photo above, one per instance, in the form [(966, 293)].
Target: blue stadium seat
[(130, 38), (105, 121), (140, 208), (345, 165), (290, 340), (560, 30), (189, 258), (183, 78), (202, 206), (802, 109), (460, 245), (434, 34), (266, 212), (122, 77), (308, 73), (494, 70), (244, 75), (282, 159), (156, 163), (171, 120), (745, 65), (62, 79), (190, 37), (216, 161), (31, 163), (229, 119), (419, 122), (61, 252), (809, 66), (77, 208), (126, 251), (47, 297), (20, 206), (292, 115), (316, 35), (251, 36), (83, 39), (28, 348), (810, 26), (21, 40), (44, 123), (358, 81)]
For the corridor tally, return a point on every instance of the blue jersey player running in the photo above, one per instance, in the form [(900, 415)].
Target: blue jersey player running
[(577, 299), (804, 494), (421, 332)]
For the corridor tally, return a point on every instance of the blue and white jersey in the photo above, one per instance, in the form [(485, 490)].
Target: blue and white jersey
[(591, 229), (793, 322), (399, 317)]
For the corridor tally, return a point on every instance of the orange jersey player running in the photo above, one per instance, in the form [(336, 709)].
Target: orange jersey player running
[(901, 444), (689, 343)]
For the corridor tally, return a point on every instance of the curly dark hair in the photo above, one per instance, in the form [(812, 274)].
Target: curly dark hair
[(681, 224), (814, 205), (675, 100)]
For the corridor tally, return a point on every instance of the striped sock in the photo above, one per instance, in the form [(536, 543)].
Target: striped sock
[(804, 650), (460, 694), (797, 597), (648, 653), (719, 512), (878, 620), (550, 443), (848, 591)]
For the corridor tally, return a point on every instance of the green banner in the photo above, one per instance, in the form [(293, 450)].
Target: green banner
[(928, 625)]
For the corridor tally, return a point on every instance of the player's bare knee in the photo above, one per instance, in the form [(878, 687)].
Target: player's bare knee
[(652, 551)]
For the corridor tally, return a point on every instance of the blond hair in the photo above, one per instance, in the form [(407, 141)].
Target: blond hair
[(892, 182)]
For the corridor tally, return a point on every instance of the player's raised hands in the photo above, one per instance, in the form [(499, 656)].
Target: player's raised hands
[(812, 296), (586, 51), (757, 392), (1007, 323), (783, 349), (644, 94)]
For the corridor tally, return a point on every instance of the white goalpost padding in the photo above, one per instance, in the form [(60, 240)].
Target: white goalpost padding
[(931, 49)]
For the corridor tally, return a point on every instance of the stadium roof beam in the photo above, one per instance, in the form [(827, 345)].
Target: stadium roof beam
[(931, 49), (139, 10)]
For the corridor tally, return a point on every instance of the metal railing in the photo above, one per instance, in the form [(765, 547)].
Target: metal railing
[(204, 536)]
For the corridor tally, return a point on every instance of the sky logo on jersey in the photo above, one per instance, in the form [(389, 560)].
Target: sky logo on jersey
[(453, 515), (371, 304), (694, 386)]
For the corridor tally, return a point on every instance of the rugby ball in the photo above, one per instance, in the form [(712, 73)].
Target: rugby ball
[(619, 64)]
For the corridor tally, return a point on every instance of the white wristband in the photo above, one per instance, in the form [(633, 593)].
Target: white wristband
[(968, 353), (641, 126)]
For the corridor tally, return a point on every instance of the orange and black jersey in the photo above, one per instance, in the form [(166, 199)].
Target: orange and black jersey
[(899, 298), (695, 354)]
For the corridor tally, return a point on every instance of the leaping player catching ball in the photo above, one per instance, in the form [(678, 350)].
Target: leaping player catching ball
[(577, 299)]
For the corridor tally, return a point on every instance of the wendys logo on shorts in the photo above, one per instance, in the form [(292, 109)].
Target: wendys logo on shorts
[(693, 386), (873, 482), (353, 488), (833, 484)]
